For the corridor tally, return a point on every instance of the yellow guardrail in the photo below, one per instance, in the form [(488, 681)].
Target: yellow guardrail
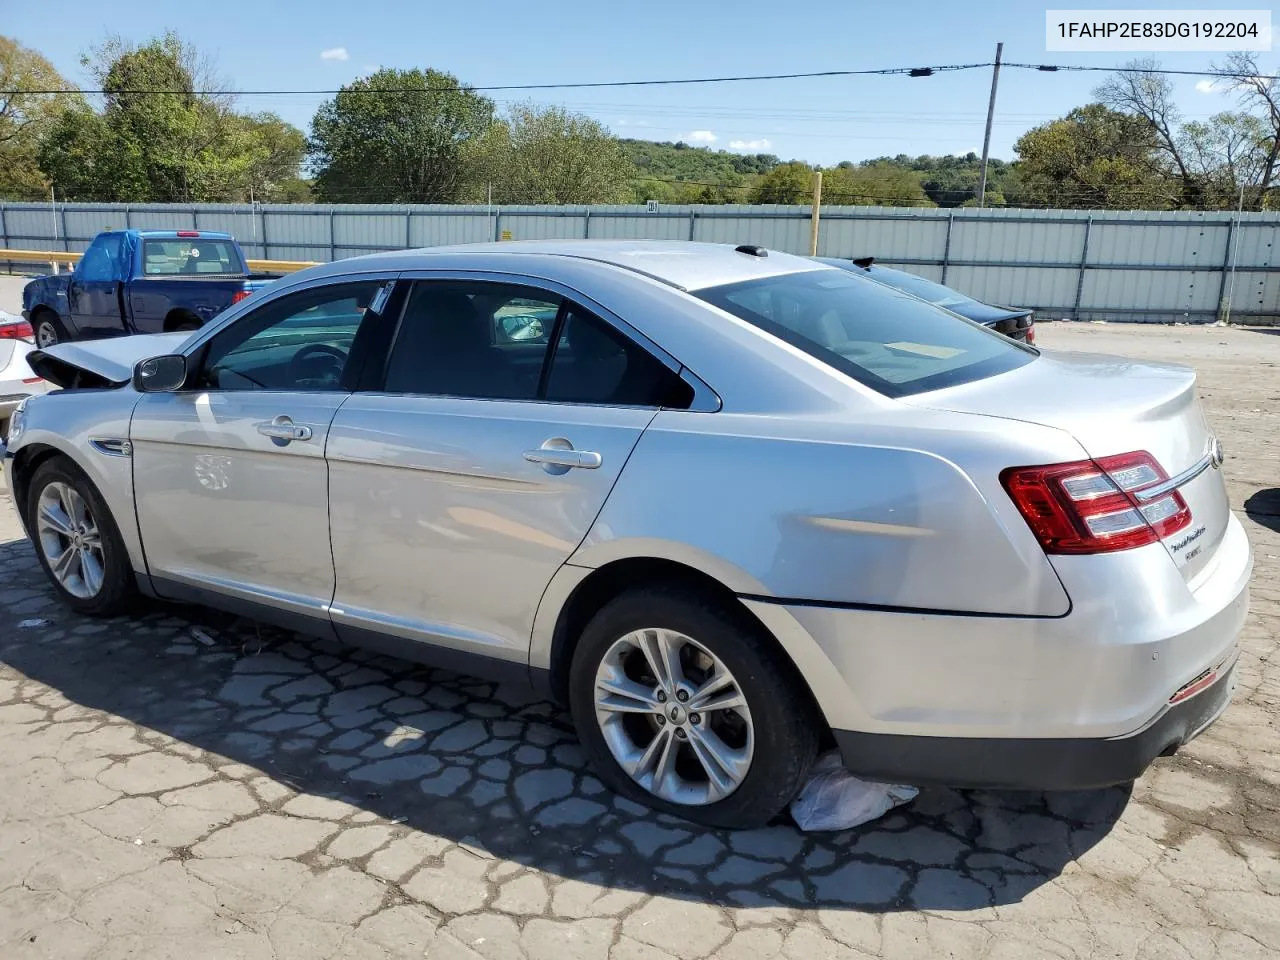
[(55, 258)]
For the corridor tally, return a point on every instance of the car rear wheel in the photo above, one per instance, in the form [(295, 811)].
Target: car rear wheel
[(49, 330), (683, 703), (77, 541)]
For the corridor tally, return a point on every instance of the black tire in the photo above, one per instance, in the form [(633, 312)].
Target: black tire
[(50, 322), (119, 588), (786, 723)]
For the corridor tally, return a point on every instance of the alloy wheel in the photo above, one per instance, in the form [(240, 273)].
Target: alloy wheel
[(674, 717), (70, 540)]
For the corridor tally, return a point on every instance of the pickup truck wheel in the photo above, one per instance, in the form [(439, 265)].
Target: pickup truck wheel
[(49, 330), (77, 541)]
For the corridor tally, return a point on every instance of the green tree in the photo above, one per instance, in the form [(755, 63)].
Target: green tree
[(165, 133), (874, 184), (538, 154), (26, 117), (1093, 157), (396, 136), (787, 183)]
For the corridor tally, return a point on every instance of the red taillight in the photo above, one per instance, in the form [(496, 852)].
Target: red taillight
[(1031, 334), (33, 379), (188, 233), (21, 330), (239, 295), (1090, 506)]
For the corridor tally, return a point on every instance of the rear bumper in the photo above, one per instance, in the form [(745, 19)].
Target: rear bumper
[(1029, 702), (1035, 764)]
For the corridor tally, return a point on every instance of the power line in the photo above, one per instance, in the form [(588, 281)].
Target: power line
[(927, 71), (461, 88), (1159, 71)]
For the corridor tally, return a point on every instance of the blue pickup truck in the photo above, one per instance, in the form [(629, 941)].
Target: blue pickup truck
[(141, 281)]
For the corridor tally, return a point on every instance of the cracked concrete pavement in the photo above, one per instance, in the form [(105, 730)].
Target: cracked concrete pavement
[(184, 784)]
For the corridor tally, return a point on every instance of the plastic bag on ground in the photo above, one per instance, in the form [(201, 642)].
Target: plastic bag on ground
[(834, 799)]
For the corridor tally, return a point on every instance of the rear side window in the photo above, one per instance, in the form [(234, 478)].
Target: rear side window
[(893, 343), (594, 363), (500, 341), (188, 256)]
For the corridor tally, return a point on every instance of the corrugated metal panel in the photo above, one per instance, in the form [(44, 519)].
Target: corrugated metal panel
[(667, 226), (1038, 288), (995, 255), (435, 231), (543, 226), (1035, 240)]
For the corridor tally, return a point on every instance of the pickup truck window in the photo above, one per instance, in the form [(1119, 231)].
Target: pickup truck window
[(183, 257), (101, 262)]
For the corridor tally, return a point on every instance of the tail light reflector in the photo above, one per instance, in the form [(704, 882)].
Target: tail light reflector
[(1089, 506), (239, 295), (20, 330)]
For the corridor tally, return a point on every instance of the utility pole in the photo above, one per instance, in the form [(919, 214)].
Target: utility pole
[(815, 213), (986, 140)]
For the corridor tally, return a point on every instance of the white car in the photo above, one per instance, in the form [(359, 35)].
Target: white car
[(732, 506), (17, 380)]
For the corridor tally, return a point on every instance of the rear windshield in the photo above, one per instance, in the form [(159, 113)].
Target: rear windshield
[(920, 287), (891, 342), (186, 256)]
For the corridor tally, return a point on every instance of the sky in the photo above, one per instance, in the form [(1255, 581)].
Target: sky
[(322, 44)]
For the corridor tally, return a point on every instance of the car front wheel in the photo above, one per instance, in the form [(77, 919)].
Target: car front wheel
[(683, 703), (77, 541)]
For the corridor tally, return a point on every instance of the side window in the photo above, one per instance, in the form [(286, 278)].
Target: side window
[(595, 363), (101, 262), (299, 342), (468, 338)]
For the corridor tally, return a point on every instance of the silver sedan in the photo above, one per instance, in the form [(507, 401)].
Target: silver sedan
[(733, 507)]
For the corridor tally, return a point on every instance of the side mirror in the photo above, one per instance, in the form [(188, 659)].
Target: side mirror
[(522, 327), (160, 374)]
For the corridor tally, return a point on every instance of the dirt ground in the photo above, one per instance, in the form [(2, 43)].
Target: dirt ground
[(181, 785)]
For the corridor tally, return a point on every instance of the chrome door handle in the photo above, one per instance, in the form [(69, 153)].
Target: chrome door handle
[(558, 456), (283, 430)]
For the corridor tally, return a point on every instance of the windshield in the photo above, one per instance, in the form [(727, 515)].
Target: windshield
[(920, 287), (893, 343), (186, 257)]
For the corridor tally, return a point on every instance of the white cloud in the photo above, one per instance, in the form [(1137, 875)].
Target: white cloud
[(761, 144), (335, 53), (703, 136), (1206, 86)]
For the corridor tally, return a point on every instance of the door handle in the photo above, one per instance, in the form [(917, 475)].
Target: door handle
[(558, 456), (283, 430)]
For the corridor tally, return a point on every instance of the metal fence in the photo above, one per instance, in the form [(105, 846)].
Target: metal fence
[(1108, 265)]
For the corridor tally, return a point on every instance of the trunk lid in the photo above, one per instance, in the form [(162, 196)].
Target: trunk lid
[(108, 362), (1112, 405)]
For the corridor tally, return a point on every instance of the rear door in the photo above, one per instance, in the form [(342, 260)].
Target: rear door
[(93, 293), (476, 467)]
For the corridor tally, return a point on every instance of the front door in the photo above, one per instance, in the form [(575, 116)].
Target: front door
[(93, 292), (229, 473), (460, 488)]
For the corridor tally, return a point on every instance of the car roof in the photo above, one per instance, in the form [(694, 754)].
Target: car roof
[(680, 263), (174, 234)]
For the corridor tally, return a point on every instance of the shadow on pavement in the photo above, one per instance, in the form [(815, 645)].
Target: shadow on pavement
[(501, 771), (1263, 508)]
